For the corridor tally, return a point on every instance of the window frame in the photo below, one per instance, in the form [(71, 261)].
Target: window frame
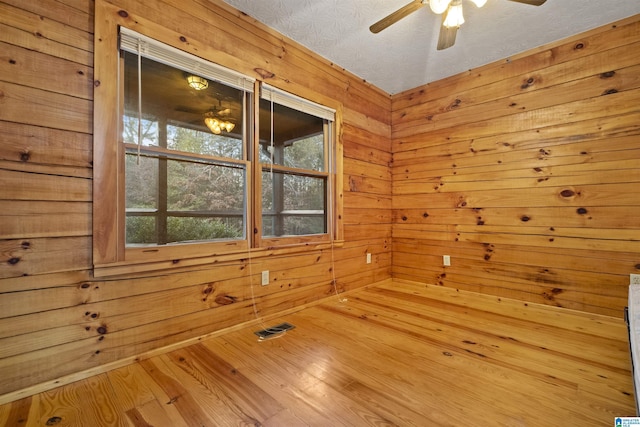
[(111, 256)]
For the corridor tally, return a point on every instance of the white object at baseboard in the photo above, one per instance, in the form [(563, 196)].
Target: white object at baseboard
[(633, 319)]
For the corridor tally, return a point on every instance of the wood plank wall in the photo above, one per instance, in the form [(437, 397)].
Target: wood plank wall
[(527, 173), (56, 319)]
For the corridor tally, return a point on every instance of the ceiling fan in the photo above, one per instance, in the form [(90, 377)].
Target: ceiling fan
[(451, 11)]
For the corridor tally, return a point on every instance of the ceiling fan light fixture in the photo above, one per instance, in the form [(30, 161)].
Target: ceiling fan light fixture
[(228, 126), (216, 124), (479, 3), (197, 82), (454, 16), (439, 6)]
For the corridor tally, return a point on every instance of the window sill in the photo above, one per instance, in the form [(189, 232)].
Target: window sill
[(132, 268)]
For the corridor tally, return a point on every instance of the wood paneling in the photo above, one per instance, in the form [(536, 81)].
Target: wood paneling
[(523, 171), (526, 172), (59, 323), (398, 353)]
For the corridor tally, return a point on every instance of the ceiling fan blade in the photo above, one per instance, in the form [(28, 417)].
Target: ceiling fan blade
[(396, 16), (531, 2), (447, 36)]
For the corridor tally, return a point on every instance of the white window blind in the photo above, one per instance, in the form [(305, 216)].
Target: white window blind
[(281, 97), (134, 42)]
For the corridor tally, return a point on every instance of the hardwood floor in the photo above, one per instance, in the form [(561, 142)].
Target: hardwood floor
[(397, 354)]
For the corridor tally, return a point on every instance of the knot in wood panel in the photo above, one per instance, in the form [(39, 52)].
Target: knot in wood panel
[(264, 73), (528, 83), (455, 104), (225, 299), (207, 291)]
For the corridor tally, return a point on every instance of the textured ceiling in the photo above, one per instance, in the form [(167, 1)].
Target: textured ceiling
[(404, 55)]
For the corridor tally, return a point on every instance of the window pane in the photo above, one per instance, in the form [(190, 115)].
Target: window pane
[(188, 200), (168, 101), (148, 130), (141, 181), (197, 141), (293, 204), (205, 187), (185, 229), (297, 139), (141, 230)]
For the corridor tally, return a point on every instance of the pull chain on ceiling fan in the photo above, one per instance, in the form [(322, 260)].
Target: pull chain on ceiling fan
[(452, 18)]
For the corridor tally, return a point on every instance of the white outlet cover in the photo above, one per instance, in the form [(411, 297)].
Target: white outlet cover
[(634, 279), (265, 277)]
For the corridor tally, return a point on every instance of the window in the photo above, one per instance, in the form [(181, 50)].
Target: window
[(183, 182), (295, 152), (196, 168)]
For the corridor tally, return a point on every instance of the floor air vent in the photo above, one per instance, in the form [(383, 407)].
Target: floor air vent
[(274, 330)]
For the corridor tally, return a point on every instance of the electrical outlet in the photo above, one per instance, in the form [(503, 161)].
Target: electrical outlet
[(265, 278), (634, 279), (368, 258), (446, 260)]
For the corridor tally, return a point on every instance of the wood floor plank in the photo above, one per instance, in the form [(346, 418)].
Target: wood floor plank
[(553, 369), (520, 334), (141, 398), (130, 384), (154, 413), (599, 325), (61, 405), (422, 372), (281, 368), (177, 393), (99, 402), (394, 354), (320, 378), (19, 413), (288, 418), (380, 367), (241, 400)]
